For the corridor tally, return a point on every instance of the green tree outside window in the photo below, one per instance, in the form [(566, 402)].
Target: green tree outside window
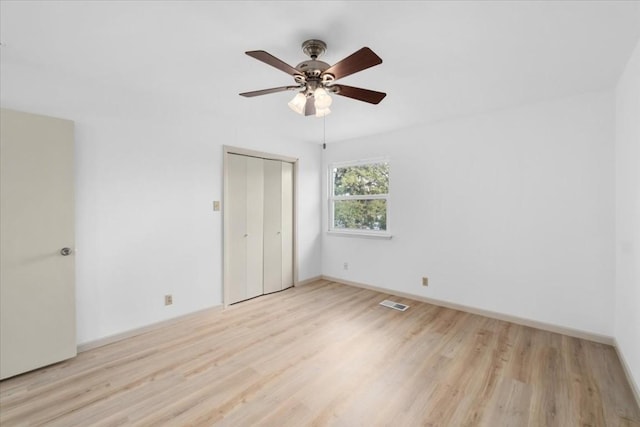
[(360, 196)]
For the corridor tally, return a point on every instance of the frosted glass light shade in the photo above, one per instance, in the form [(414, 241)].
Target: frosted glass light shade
[(322, 99), (321, 112), (298, 103)]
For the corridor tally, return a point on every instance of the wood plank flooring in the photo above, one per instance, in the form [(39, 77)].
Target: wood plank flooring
[(328, 354)]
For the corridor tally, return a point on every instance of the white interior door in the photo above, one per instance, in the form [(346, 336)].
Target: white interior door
[(37, 282), (272, 226)]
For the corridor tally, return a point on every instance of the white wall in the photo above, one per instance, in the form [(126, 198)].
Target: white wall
[(147, 171), (513, 211), (510, 211), (627, 154)]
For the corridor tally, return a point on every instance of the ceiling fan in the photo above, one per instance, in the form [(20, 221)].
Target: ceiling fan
[(315, 79)]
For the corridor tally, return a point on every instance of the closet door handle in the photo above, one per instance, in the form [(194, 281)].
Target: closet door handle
[(278, 232), (246, 235)]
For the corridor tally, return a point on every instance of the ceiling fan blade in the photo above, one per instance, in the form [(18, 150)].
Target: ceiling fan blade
[(358, 61), (268, 91), (310, 107), (267, 58), (366, 95)]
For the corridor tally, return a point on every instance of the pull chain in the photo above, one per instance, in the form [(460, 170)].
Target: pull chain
[(324, 132)]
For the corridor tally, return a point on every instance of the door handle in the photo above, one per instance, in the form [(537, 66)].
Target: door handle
[(65, 251), (246, 235)]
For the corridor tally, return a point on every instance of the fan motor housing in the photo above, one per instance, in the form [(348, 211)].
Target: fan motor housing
[(312, 67)]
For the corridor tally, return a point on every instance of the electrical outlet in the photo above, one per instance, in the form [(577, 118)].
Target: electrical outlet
[(425, 281), (168, 299), (346, 266)]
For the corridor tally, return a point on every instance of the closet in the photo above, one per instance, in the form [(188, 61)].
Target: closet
[(258, 225)]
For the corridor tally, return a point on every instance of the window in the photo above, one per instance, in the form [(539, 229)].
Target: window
[(359, 196)]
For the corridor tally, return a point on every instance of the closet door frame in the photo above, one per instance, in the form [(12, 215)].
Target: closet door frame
[(227, 150)]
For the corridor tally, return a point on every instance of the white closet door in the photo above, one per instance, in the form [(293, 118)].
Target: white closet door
[(237, 220), (258, 227), (255, 228), (272, 226), (287, 224)]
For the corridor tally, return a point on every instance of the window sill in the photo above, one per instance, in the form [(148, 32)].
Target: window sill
[(362, 234)]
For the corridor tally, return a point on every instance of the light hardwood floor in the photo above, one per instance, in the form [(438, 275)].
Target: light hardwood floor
[(328, 354)]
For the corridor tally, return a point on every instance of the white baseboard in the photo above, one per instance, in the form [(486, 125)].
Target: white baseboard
[(635, 388), (308, 281), (576, 333), (144, 329)]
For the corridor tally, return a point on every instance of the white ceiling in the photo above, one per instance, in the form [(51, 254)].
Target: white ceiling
[(441, 59)]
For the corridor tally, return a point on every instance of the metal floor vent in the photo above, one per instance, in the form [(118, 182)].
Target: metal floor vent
[(394, 305)]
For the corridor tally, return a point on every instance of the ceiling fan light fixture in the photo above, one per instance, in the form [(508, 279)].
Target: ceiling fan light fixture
[(314, 79), (298, 103), (321, 112), (322, 99)]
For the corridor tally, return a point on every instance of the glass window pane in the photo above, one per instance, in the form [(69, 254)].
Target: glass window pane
[(361, 180), (360, 214)]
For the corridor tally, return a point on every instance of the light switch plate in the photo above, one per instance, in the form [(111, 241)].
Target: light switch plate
[(216, 205)]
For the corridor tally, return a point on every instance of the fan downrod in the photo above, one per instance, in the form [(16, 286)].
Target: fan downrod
[(314, 48)]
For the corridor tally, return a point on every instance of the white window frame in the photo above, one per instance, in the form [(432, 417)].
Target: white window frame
[(381, 234)]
